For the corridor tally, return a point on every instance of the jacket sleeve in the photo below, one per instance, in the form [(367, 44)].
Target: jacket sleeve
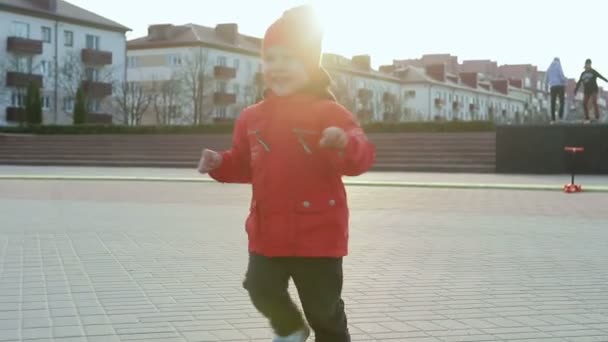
[(235, 167), (359, 154), (600, 76)]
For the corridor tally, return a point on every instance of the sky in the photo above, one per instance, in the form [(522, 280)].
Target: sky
[(509, 32)]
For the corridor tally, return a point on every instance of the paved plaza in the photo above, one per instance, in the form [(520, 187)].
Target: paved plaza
[(105, 261)]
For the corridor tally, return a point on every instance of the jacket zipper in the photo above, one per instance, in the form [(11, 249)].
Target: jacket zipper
[(260, 140), (299, 133)]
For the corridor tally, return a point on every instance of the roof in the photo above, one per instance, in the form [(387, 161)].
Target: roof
[(340, 63), (416, 75), (192, 34), (65, 11)]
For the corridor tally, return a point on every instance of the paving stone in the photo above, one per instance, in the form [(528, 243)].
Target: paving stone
[(433, 266)]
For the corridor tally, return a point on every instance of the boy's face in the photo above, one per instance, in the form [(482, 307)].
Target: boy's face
[(283, 73), (587, 66)]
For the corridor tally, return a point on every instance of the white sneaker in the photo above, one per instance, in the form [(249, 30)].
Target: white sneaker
[(298, 336)]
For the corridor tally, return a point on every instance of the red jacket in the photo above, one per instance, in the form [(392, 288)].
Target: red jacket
[(298, 206)]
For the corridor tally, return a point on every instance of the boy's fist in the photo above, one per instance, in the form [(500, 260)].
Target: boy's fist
[(210, 160), (334, 137)]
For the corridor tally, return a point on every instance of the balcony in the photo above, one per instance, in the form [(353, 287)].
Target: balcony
[(97, 90), (96, 57), (24, 46), (22, 80), (223, 99), (224, 72), (365, 94), (389, 97), (15, 114), (98, 118)]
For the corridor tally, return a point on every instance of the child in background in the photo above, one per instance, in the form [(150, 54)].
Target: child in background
[(590, 89), (294, 147)]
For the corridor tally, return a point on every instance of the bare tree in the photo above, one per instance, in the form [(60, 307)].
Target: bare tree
[(34, 75), (71, 72), (167, 101), (254, 92), (198, 82), (390, 105), (342, 88), (130, 102)]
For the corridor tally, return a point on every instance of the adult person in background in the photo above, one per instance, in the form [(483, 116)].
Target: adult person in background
[(589, 80), (557, 84)]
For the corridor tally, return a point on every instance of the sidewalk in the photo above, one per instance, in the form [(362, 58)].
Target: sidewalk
[(396, 179), (164, 261)]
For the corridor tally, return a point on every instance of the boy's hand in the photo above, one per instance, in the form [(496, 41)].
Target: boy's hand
[(210, 160), (333, 137)]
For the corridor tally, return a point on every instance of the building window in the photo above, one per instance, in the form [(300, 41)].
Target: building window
[(46, 102), (175, 60), (132, 62), (220, 112), (236, 89), (236, 63), (91, 74), (20, 29), (23, 64), (68, 104), (68, 37), (92, 42), (249, 66), (221, 87), (46, 68), (17, 99), (93, 105), (46, 34), (221, 61)]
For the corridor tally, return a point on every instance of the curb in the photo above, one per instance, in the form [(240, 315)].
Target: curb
[(383, 184)]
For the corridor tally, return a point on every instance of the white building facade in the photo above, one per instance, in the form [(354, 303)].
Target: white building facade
[(371, 95), (434, 95), (60, 47), (167, 61)]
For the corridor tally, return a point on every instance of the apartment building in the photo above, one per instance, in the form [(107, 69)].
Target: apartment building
[(370, 94), (433, 93), (195, 74), (60, 47)]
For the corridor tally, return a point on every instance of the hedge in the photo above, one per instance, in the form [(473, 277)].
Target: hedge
[(226, 128)]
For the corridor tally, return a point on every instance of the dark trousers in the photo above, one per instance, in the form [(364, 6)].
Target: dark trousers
[(590, 99), (557, 91), (319, 285)]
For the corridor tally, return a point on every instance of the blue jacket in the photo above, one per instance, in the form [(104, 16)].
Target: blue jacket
[(555, 74)]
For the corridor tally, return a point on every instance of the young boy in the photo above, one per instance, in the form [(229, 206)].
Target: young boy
[(589, 80), (294, 147)]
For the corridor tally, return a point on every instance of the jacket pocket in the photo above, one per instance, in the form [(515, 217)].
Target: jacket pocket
[(321, 220)]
